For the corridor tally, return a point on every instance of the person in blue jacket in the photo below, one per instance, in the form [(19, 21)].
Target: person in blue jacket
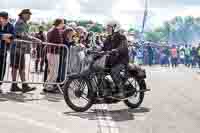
[(140, 56), (7, 34)]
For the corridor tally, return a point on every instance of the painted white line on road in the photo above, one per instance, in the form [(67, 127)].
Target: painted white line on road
[(107, 125), (105, 121), (33, 122)]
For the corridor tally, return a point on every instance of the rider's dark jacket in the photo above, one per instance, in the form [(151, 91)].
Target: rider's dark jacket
[(118, 42)]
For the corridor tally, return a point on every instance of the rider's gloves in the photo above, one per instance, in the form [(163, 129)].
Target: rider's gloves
[(114, 52)]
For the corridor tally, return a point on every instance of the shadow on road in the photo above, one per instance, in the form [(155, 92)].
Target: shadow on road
[(52, 97), (140, 110), (116, 115), (27, 97), (17, 97)]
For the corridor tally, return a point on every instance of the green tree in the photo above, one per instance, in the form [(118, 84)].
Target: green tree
[(153, 36), (97, 28), (178, 30)]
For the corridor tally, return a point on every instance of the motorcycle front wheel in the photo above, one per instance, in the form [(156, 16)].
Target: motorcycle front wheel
[(78, 95), (136, 100)]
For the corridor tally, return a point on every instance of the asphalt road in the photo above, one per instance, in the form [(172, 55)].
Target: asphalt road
[(173, 106)]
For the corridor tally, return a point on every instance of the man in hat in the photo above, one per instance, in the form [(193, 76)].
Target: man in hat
[(18, 52), (54, 35), (6, 36)]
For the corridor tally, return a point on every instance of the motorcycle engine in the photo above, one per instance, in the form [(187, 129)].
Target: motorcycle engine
[(109, 82)]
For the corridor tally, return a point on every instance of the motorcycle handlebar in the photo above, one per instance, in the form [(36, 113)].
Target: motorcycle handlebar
[(98, 52)]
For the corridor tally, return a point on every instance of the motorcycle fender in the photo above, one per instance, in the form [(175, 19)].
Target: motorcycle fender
[(137, 72)]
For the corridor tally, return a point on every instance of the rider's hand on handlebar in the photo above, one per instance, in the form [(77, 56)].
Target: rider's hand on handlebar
[(114, 52), (89, 51)]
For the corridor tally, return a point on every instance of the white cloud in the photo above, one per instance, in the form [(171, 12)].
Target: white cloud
[(128, 12)]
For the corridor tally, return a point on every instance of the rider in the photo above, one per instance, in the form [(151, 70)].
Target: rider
[(118, 45)]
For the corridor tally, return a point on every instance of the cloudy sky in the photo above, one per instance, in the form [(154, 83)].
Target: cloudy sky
[(128, 12)]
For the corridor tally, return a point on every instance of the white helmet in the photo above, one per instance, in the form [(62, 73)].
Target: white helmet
[(115, 25)]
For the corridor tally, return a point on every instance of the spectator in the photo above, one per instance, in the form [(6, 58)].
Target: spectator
[(89, 38), (187, 55), (45, 68), (73, 25), (162, 57), (167, 55), (140, 56), (55, 35), (6, 35), (198, 52), (18, 51), (150, 55), (174, 56), (39, 50), (68, 41), (81, 31), (194, 57), (82, 42), (98, 41), (132, 54), (145, 59), (102, 38), (182, 56), (157, 54)]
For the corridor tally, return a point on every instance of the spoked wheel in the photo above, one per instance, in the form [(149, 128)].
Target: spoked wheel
[(136, 100), (78, 95)]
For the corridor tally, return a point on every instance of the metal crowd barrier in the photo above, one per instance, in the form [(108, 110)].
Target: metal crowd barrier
[(20, 58), (78, 60)]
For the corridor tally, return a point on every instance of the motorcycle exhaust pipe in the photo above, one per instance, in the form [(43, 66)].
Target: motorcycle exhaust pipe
[(144, 90)]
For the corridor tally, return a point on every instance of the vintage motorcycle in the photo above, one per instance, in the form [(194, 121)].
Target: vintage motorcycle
[(86, 88)]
